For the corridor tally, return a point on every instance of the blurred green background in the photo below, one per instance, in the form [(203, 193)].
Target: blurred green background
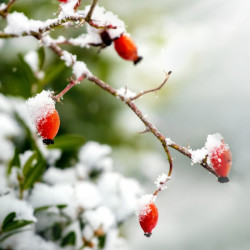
[(206, 45)]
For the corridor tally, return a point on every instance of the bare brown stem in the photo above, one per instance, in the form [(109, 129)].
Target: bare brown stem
[(92, 7), (68, 87), (152, 90), (6, 10)]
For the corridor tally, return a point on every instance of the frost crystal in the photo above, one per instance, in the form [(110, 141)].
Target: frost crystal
[(161, 181), (40, 106)]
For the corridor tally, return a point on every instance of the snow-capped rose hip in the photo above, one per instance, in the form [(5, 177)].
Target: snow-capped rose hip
[(126, 48), (48, 127), (221, 161), (219, 156), (44, 115), (147, 213)]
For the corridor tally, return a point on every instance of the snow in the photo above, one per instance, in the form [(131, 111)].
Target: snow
[(88, 232), (22, 209), (198, 155), (169, 141), (126, 93), (141, 206), (8, 126), (67, 9), (161, 181), (101, 218), (31, 58), (116, 190), (3, 6), (101, 17), (80, 69), (87, 195), (56, 176), (114, 241), (44, 195), (213, 141), (29, 239), (92, 153), (18, 23), (40, 106), (68, 58)]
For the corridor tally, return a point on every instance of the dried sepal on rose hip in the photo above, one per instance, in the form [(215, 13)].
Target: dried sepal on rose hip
[(126, 48), (219, 156), (147, 214), (44, 115)]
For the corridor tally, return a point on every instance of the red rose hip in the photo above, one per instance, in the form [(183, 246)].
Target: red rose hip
[(147, 213), (221, 161), (48, 127), (126, 48)]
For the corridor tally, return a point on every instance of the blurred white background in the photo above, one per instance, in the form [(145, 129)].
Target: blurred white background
[(206, 45)]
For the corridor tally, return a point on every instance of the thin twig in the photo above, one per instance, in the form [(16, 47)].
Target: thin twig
[(92, 7), (152, 90), (6, 10), (68, 87)]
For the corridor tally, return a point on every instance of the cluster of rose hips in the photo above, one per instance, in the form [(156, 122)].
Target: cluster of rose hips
[(219, 158)]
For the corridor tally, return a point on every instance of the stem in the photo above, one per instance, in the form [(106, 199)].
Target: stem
[(152, 90), (68, 87), (92, 7), (5, 11)]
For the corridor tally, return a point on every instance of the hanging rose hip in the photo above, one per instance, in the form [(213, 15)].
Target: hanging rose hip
[(48, 126), (63, 1), (147, 213), (44, 115), (219, 157), (126, 48)]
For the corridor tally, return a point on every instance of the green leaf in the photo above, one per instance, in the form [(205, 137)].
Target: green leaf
[(41, 56), (14, 162), (34, 174), (69, 239), (102, 240), (67, 142), (52, 73), (57, 231), (28, 163), (9, 218), (16, 224), (10, 223), (60, 206), (28, 75)]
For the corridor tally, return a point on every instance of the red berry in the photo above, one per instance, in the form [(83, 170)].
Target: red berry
[(127, 49), (148, 218), (63, 1), (48, 126), (221, 161)]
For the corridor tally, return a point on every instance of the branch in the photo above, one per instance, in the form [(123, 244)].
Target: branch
[(92, 7), (4, 12), (150, 127), (152, 90)]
